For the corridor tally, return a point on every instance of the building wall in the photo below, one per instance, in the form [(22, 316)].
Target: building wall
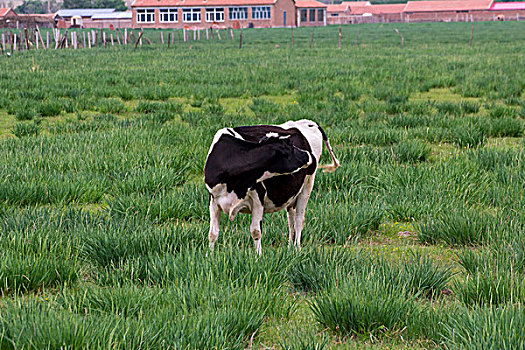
[(339, 19), (259, 23), (507, 15), (280, 7), (106, 23), (444, 16), (452, 16), (391, 17), (311, 22), (10, 20)]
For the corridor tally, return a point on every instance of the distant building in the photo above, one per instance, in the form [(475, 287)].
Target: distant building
[(425, 11), (382, 12), (78, 18), (37, 20), (112, 20), (504, 11), (8, 18), (446, 11), (227, 13), (346, 11), (310, 13)]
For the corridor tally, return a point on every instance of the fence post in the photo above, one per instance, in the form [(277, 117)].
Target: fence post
[(240, 40), (471, 35), (357, 39), (293, 39), (312, 38), (402, 37), (169, 39), (139, 39), (27, 38), (340, 34)]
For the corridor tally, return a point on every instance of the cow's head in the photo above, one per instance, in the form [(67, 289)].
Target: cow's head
[(283, 157)]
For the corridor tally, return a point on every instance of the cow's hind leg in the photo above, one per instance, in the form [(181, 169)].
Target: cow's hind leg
[(215, 219), (300, 209), (290, 213), (255, 227)]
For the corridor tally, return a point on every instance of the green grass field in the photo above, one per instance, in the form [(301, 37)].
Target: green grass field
[(416, 241)]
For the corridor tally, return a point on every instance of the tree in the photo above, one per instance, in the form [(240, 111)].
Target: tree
[(119, 5), (31, 6), (77, 4)]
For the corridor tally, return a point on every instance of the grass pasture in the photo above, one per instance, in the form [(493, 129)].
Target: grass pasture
[(416, 241)]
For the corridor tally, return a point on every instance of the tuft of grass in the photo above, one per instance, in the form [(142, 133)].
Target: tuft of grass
[(304, 341), (49, 108), (459, 228), (21, 273), (449, 108), (111, 105), (23, 129), (469, 107), (26, 114), (319, 269), (411, 151), (469, 137), (366, 306), (485, 328), (486, 287), (506, 127)]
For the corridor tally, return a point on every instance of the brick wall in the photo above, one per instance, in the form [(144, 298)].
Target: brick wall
[(278, 14), (453, 16), (276, 18), (312, 17), (106, 23)]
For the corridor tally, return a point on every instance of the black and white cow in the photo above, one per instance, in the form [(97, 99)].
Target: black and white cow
[(262, 169)]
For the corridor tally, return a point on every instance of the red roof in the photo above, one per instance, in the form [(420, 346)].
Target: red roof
[(385, 8), (338, 7), (309, 3), (499, 6), (203, 3), (4, 11), (452, 5)]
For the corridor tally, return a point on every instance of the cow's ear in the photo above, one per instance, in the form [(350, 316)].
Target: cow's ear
[(264, 139)]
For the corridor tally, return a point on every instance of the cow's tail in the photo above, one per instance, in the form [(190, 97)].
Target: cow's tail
[(335, 162)]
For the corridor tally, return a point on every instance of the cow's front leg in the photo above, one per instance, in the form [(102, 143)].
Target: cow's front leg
[(300, 208), (255, 227), (290, 213), (215, 219)]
